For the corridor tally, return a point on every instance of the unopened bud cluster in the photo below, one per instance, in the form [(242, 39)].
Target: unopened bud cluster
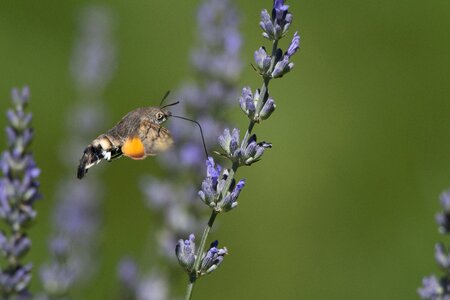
[(214, 191), (245, 155), (275, 26), (211, 260), (255, 108)]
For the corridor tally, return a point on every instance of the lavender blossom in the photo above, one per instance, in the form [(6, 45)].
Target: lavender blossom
[(432, 287), (276, 25), (128, 276), (185, 252), (219, 189), (212, 259), (151, 287), (18, 194), (241, 155), (250, 102), (213, 191)]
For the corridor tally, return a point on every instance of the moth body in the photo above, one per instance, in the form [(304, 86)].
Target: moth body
[(139, 134)]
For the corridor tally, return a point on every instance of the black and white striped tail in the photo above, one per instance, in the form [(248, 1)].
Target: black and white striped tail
[(100, 148), (91, 156)]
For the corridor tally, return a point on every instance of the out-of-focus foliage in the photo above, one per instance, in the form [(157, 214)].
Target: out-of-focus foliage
[(342, 207)]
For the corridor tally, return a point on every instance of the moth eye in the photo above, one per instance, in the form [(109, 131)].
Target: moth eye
[(160, 116)]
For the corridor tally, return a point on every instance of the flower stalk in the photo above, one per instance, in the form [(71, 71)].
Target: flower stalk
[(219, 189)]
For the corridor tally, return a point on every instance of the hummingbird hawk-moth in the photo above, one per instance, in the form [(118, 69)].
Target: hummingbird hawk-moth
[(138, 135)]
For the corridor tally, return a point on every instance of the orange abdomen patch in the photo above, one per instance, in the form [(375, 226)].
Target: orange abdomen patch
[(133, 148)]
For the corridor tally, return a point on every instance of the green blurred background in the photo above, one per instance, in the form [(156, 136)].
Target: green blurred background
[(343, 205)]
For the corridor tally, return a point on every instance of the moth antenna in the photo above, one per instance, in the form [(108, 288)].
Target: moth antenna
[(171, 104), (201, 131), (164, 98)]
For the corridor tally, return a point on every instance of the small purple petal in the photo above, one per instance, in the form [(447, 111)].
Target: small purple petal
[(294, 45)]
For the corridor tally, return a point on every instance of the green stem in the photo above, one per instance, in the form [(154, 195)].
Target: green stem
[(190, 286), (264, 95), (195, 273)]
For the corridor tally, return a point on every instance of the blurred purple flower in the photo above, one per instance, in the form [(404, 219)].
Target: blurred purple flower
[(94, 59), (18, 193), (128, 276), (77, 218), (431, 289), (153, 287)]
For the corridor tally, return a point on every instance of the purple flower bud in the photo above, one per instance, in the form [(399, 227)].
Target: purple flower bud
[(212, 171), (60, 247), (293, 46), (275, 27), (443, 221), (11, 135), (288, 22), (267, 109), (247, 103), (13, 119), (212, 259), (230, 144), (15, 281), (431, 288), (57, 278), (230, 200), (266, 25), (211, 185), (185, 252), (234, 143), (254, 150), (224, 140), (262, 60), (281, 18), (442, 257), (127, 273), (282, 67), (445, 200), (20, 97), (21, 246)]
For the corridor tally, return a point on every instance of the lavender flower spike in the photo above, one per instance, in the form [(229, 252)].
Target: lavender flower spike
[(18, 193), (435, 288), (220, 193)]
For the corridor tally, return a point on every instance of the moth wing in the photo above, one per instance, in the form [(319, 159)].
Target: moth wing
[(155, 138)]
